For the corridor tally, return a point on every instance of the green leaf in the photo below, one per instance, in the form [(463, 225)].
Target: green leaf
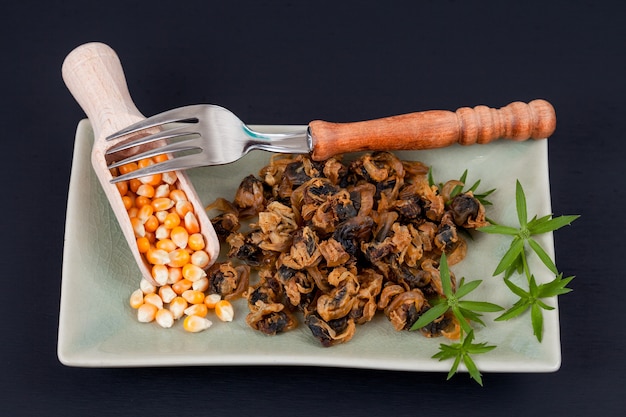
[(444, 274), (454, 367), (462, 321), (431, 181), (467, 288), (517, 309), (515, 289), (499, 229), (517, 246), (537, 321), (429, 315), (553, 224), (537, 222), (541, 253), (481, 306), (520, 204), (472, 369), (557, 286)]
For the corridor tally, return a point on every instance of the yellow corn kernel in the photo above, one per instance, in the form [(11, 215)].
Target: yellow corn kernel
[(138, 227), (141, 201), (179, 258), (191, 223), (171, 220), (146, 190), (165, 318), (162, 232), (201, 285), (166, 293), (143, 244), (197, 310), (193, 296), (200, 259), (178, 195), (134, 184), (128, 202), (181, 286), (146, 286), (146, 313), (160, 215), (160, 274), (211, 300), (145, 212), (169, 177), (157, 256), (162, 190), (126, 168), (166, 244), (163, 203), (153, 299), (180, 236), (151, 224), (136, 298), (175, 275), (193, 272), (224, 310), (160, 158), (196, 324), (183, 207), (196, 241), (177, 307), (122, 187)]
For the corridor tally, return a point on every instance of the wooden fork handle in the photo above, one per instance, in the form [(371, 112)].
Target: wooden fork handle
[(434, 129)]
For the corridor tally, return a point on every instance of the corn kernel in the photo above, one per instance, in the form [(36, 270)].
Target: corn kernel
[(143, 244), (157, 256), (166, 244), (162, 190), (146, 286), (224, 310), (178, 195), (145, 190), (171, 220), (151, 224), (145, 212), (193, 272), (164, 318), (196, 241), (153, 299), (183, 207), (166, 293), (136, 298), (126, 168), (162, 203), (193, 296), (138, 227), (201, 285), (146, 313), (128, 202), (180, 236), (122, 187), (196, 324), (181, 286), (191, 223), (134, 184), (177, 307), (160, 158), (141, 201), (211, 300), (160, 274), (175, 275), (197, 310), (200, 259), (169, 177), (162, 232), (179, 258)]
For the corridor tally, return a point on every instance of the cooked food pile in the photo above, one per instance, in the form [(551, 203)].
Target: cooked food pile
[(335, 242)]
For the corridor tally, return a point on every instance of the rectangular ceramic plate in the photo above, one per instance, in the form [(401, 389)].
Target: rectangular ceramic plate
[(98, 328)]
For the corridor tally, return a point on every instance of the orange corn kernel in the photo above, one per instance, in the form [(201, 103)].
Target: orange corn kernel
[(192, 272), (181, 286), (171, 221), (163, 203), (196, 241), (143, 244), (191, 223), (193, 296), (199, 310), (179, 258)]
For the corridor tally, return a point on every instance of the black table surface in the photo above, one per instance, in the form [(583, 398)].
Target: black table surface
[(288, 62)]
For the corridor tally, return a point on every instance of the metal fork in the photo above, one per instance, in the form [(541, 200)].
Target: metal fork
[(212, 135)]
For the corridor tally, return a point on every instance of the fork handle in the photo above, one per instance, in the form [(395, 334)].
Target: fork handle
[(434, 129), (94, 75)]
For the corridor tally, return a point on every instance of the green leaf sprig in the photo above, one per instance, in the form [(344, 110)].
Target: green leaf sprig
[(465, 311), (515, 260), (459, 189)]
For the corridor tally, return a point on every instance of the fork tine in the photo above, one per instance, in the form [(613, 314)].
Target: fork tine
[(180, 114), (165, 134), (174, 164), (185, 145)]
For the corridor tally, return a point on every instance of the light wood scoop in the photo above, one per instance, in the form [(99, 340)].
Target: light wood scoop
[(94, 75)]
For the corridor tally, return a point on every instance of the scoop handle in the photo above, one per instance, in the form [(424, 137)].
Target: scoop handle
[(434, 129), (94, 75)]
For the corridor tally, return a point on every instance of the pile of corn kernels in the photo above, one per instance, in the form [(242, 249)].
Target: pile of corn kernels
[(168, 236)]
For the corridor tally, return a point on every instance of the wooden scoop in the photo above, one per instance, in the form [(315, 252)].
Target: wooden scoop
[(94, 75)]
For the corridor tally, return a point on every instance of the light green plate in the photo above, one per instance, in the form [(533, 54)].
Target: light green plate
[(98, 328)]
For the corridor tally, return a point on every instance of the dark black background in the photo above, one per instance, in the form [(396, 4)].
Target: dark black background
[(288, 62)]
